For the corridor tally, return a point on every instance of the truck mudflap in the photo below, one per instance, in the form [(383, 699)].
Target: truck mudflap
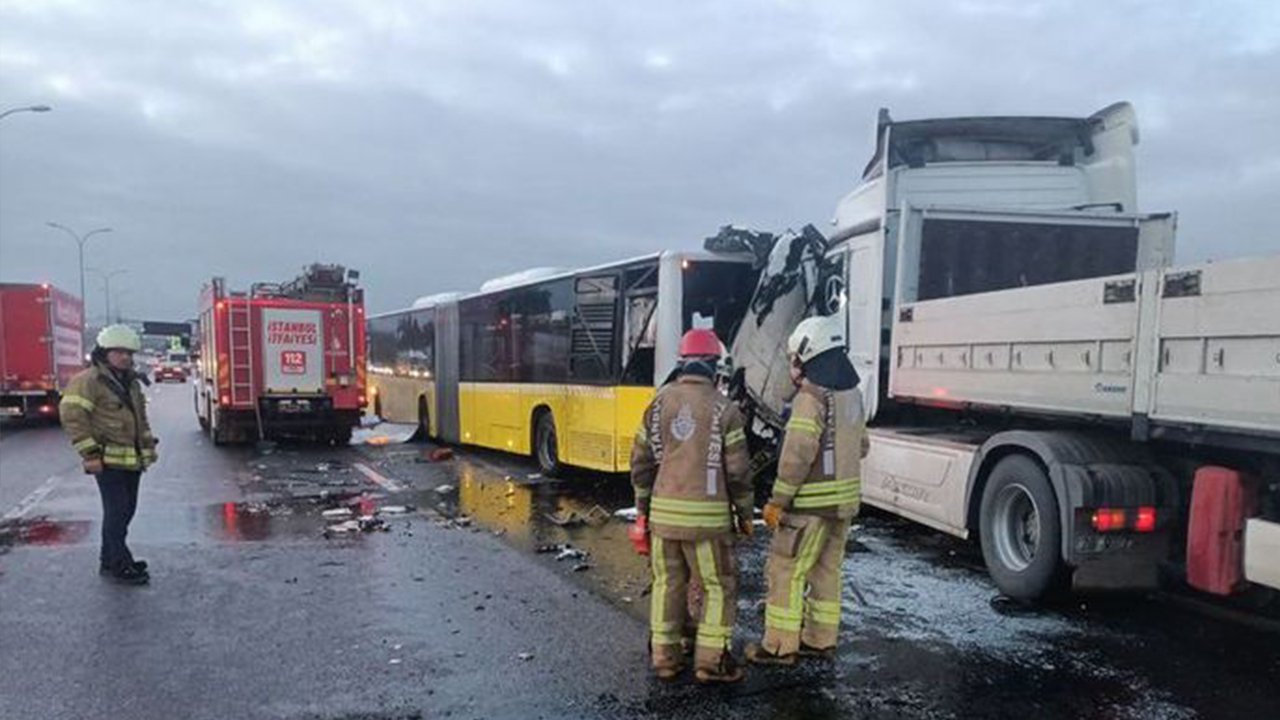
[(1262, 552), (1090, 473)]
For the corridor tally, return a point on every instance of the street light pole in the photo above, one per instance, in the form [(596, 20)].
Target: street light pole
[(80, 241), (29, 108), (106, 288)]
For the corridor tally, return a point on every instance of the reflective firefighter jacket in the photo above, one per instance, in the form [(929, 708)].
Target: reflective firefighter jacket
[(689, 462), (820, 466), (107, 420)]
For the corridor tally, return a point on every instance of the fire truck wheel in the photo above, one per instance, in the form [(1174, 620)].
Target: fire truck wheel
[(200, 414), (1021, 530), (340, 436), (546, 447), (220, 432)]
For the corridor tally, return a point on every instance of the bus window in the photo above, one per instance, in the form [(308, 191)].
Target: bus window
[(716, 296), (640, 320), (592, 340)]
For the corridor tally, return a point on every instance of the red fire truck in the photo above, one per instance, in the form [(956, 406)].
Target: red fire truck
[(283, 359), (41, 348)]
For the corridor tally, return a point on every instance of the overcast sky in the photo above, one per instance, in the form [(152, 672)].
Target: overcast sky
[(434, 145)]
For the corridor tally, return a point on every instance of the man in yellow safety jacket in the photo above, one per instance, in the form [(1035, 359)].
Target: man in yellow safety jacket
[(689, 469), (816, 494), (105, 414)]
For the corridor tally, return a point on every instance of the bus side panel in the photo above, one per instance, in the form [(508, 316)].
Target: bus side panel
[(591, 427), (468, 420), (630, 405), (398, 397), (446, 418)]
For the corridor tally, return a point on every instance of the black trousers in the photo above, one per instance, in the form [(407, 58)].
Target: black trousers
[(119, 491)]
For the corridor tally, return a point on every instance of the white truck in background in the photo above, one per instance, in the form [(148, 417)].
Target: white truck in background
[(1034, 370)]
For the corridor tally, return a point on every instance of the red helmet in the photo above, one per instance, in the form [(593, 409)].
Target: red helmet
[(700, 343)]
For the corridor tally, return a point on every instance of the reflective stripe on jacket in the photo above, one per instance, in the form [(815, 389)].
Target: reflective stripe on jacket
[(101, 424), (820, 467), (689, 462)]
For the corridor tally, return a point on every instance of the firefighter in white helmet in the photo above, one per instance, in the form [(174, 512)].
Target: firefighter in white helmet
[(105, 414), (815, 496)]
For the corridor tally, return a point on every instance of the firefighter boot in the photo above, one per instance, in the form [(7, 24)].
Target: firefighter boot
[(759, 656), (728, 671)]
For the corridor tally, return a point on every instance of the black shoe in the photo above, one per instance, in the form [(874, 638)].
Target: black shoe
[(139, 565), (129, 575)]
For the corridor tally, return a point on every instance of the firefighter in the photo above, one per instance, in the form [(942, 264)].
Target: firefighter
[(815, 496), (105, 414), (689, 470)]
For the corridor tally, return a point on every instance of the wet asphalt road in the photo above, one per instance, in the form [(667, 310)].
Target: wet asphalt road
[(452, 610)]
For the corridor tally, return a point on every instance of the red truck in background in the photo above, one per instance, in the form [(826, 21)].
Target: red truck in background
[(283, 359), (41, 348)]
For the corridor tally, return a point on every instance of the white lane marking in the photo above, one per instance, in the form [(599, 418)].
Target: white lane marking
[(31, 500), (386, 482)]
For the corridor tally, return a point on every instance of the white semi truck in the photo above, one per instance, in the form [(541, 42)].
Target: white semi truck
[(1035, 370)]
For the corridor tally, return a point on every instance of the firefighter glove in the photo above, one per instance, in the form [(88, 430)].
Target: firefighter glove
[(772, 515), (744, 524)]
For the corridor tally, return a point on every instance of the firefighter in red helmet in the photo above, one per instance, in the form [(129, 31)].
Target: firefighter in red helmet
[(689, 470)]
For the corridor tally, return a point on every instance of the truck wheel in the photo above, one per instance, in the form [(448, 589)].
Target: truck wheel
[(546, 447), (1021, 530), (424, 420), (340, 436)]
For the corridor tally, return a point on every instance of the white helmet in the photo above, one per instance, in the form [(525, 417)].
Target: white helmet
[(119, 337), (816, 335)]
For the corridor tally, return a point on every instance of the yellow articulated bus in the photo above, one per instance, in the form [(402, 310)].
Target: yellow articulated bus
[(557, 365)]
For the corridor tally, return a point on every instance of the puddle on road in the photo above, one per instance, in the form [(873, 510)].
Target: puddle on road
[(539, 515), (42, 531)]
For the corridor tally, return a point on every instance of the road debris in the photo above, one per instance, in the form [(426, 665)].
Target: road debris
[(565, 518), (445, 489), (336, 513), (629, 514), (524, 656), (395, 510), (440, 454)]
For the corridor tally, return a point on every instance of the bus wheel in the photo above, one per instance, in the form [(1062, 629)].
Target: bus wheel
[(1021, 530), (424, 419), (545, 445)]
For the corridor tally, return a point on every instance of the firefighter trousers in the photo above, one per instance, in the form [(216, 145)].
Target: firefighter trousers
[(710, 563), (803, 577)]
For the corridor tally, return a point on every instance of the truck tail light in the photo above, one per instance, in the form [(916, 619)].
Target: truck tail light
[(1142, 519), (46, 409), (224, 400), (1145, 520), (1108, 519)]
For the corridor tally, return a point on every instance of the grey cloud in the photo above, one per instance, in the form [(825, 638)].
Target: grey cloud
[(434, 145)]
